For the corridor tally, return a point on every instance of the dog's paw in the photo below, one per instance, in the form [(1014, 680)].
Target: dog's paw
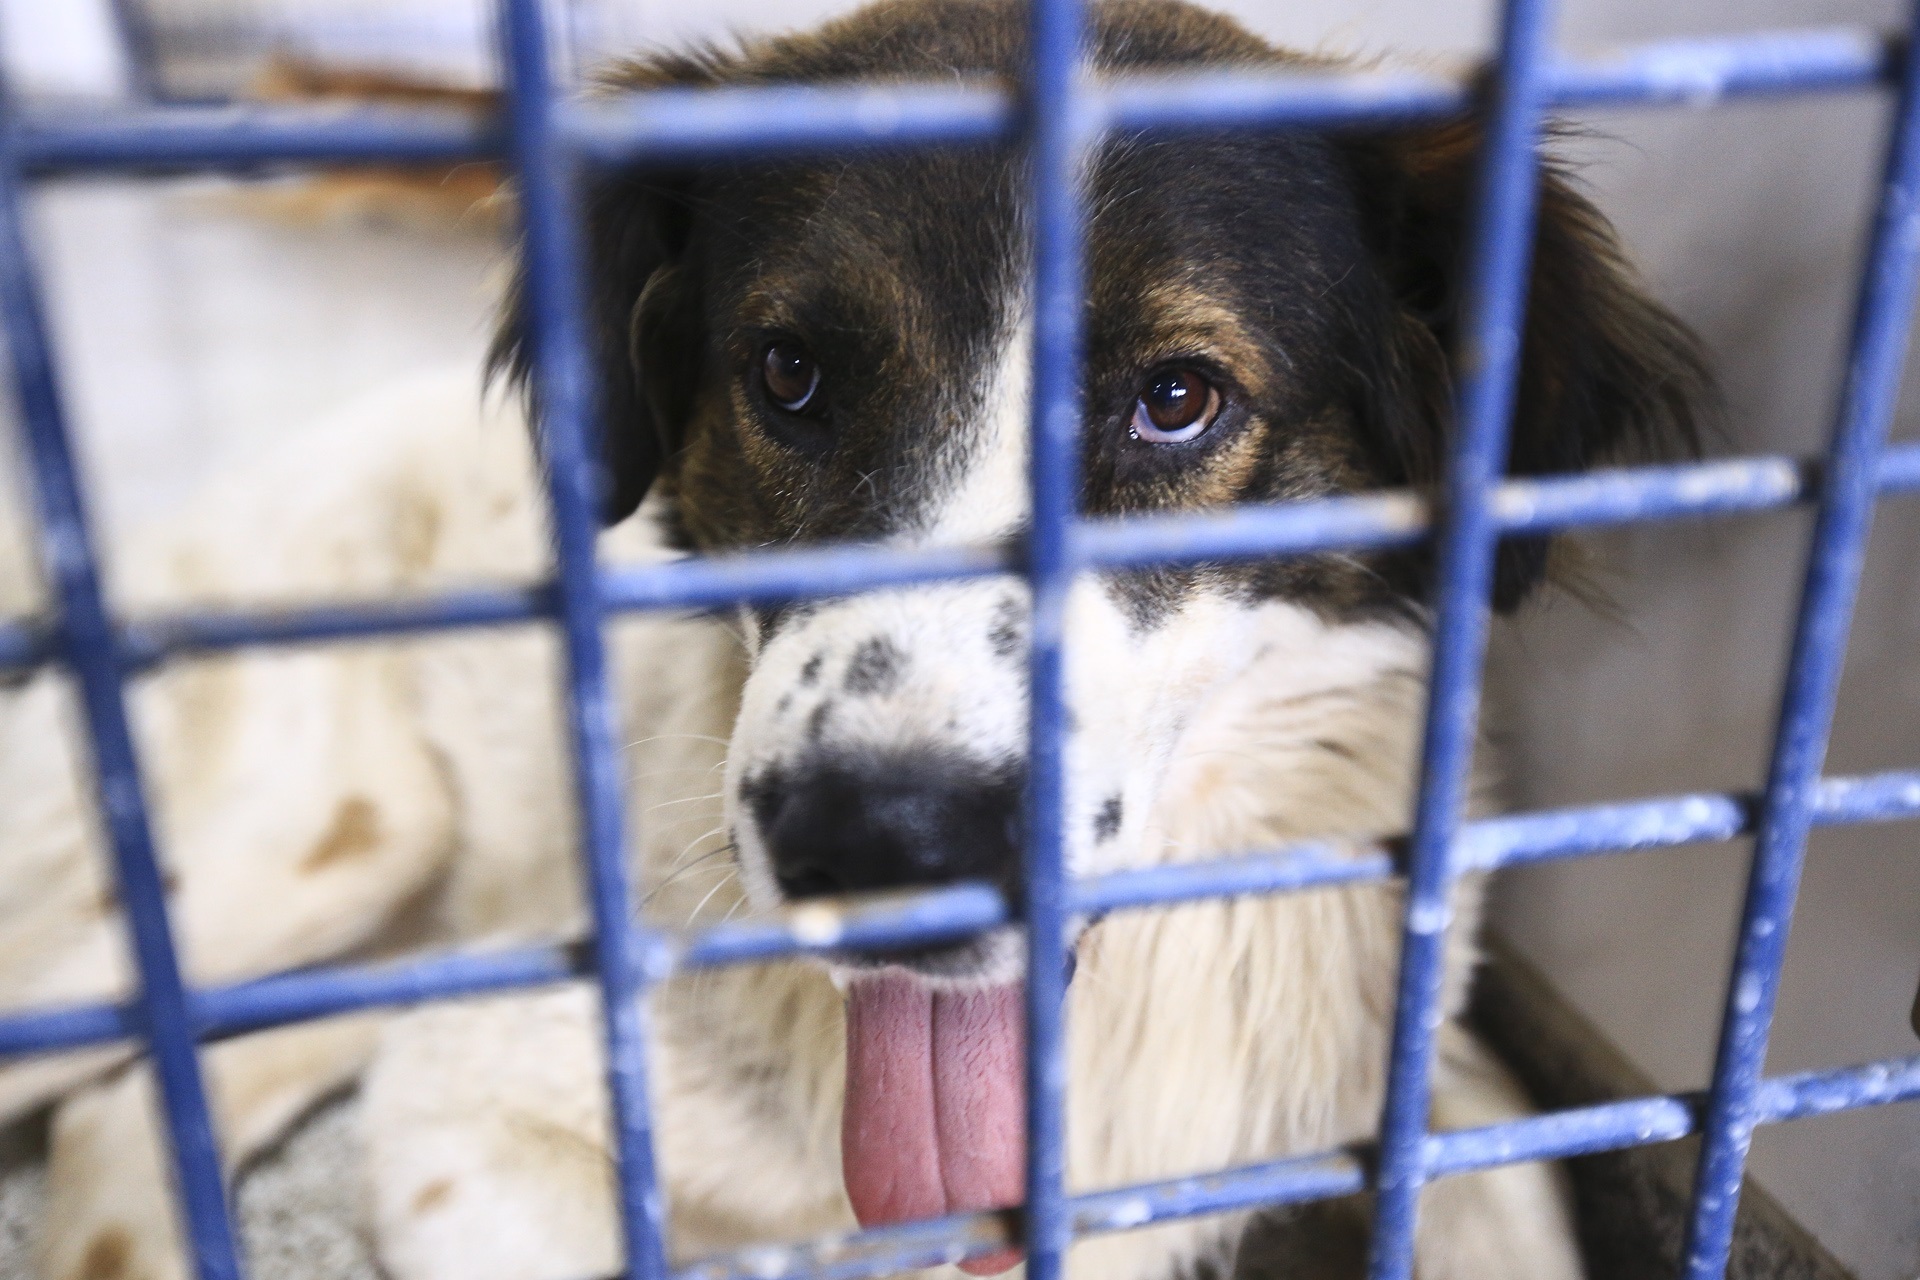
[(487, 1142), (113, 1253), (110, 1215), (110, 1210)]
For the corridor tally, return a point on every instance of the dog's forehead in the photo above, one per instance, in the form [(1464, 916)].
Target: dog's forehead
[(903, 277), (928, 242), (1177, 231)]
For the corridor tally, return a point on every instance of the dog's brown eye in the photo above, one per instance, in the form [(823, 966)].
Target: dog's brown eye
[(790, 374), (1178, 404)]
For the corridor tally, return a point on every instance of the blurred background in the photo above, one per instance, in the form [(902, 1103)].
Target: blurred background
[(197, 328)]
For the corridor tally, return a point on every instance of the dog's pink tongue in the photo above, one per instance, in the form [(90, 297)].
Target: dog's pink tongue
[(935, 1117)]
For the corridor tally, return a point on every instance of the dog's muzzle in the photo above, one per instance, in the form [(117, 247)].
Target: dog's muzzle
[(932, 1121), (895, 820)]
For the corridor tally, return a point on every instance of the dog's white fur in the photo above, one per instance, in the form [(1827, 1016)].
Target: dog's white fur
[(356, 799)]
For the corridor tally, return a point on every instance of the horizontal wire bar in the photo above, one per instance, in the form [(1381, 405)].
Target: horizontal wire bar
[(1278, 1182), (65, 1028), (768, 577), (1639, 1122), (1702, 72), (1873, 797), (960, 911), (1290, 870), (1591, 499), (1690, 73), (25, 643), (947, 914), (1900, 468), (1365, 522), (223, 1012), (1493, 843), (1822, 1093), (1519, 839), (220, 1013), (681, 123), (202, 631), (177, 139), (787, 119), (1180, 101), (941, 915), (1489, 844), (1373, 521), (1630, 495), (1582, 1131)]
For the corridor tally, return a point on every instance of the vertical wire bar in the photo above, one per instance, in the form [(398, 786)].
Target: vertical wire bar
[(93, 653), (564, 398), (1494, 308), (1841, 527), (139, 49), (1057, 137)]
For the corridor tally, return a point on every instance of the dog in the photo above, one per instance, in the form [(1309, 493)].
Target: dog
[(837, 349)]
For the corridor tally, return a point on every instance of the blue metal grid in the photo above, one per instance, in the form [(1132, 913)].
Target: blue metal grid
[(1057, 114)]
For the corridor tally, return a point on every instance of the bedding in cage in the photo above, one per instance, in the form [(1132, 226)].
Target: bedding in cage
[(297, 1211)]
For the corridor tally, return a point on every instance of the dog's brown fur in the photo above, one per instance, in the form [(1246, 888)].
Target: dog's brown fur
[(464, 197)]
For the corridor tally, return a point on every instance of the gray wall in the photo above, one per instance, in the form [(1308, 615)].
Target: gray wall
[(1748, 219)]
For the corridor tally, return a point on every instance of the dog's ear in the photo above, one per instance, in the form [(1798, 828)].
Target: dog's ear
[(643, 327), (1607, 374), (644, 320)]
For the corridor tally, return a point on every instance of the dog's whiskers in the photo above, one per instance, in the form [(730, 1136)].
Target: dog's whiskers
[(676, 872), (660, 770), (676, 737), (695, 843), (711, 795), (691, 867), (718, 886), (688, 874)]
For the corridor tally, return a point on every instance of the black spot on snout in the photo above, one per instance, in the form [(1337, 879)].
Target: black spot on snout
[(1106, 823), (817, 722), (811, 672), (875, 667)]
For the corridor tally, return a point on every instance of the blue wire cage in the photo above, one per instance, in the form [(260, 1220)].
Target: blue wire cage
[(1057, 114)]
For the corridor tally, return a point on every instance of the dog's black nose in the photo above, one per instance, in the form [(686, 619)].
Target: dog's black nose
[(890, 822)]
